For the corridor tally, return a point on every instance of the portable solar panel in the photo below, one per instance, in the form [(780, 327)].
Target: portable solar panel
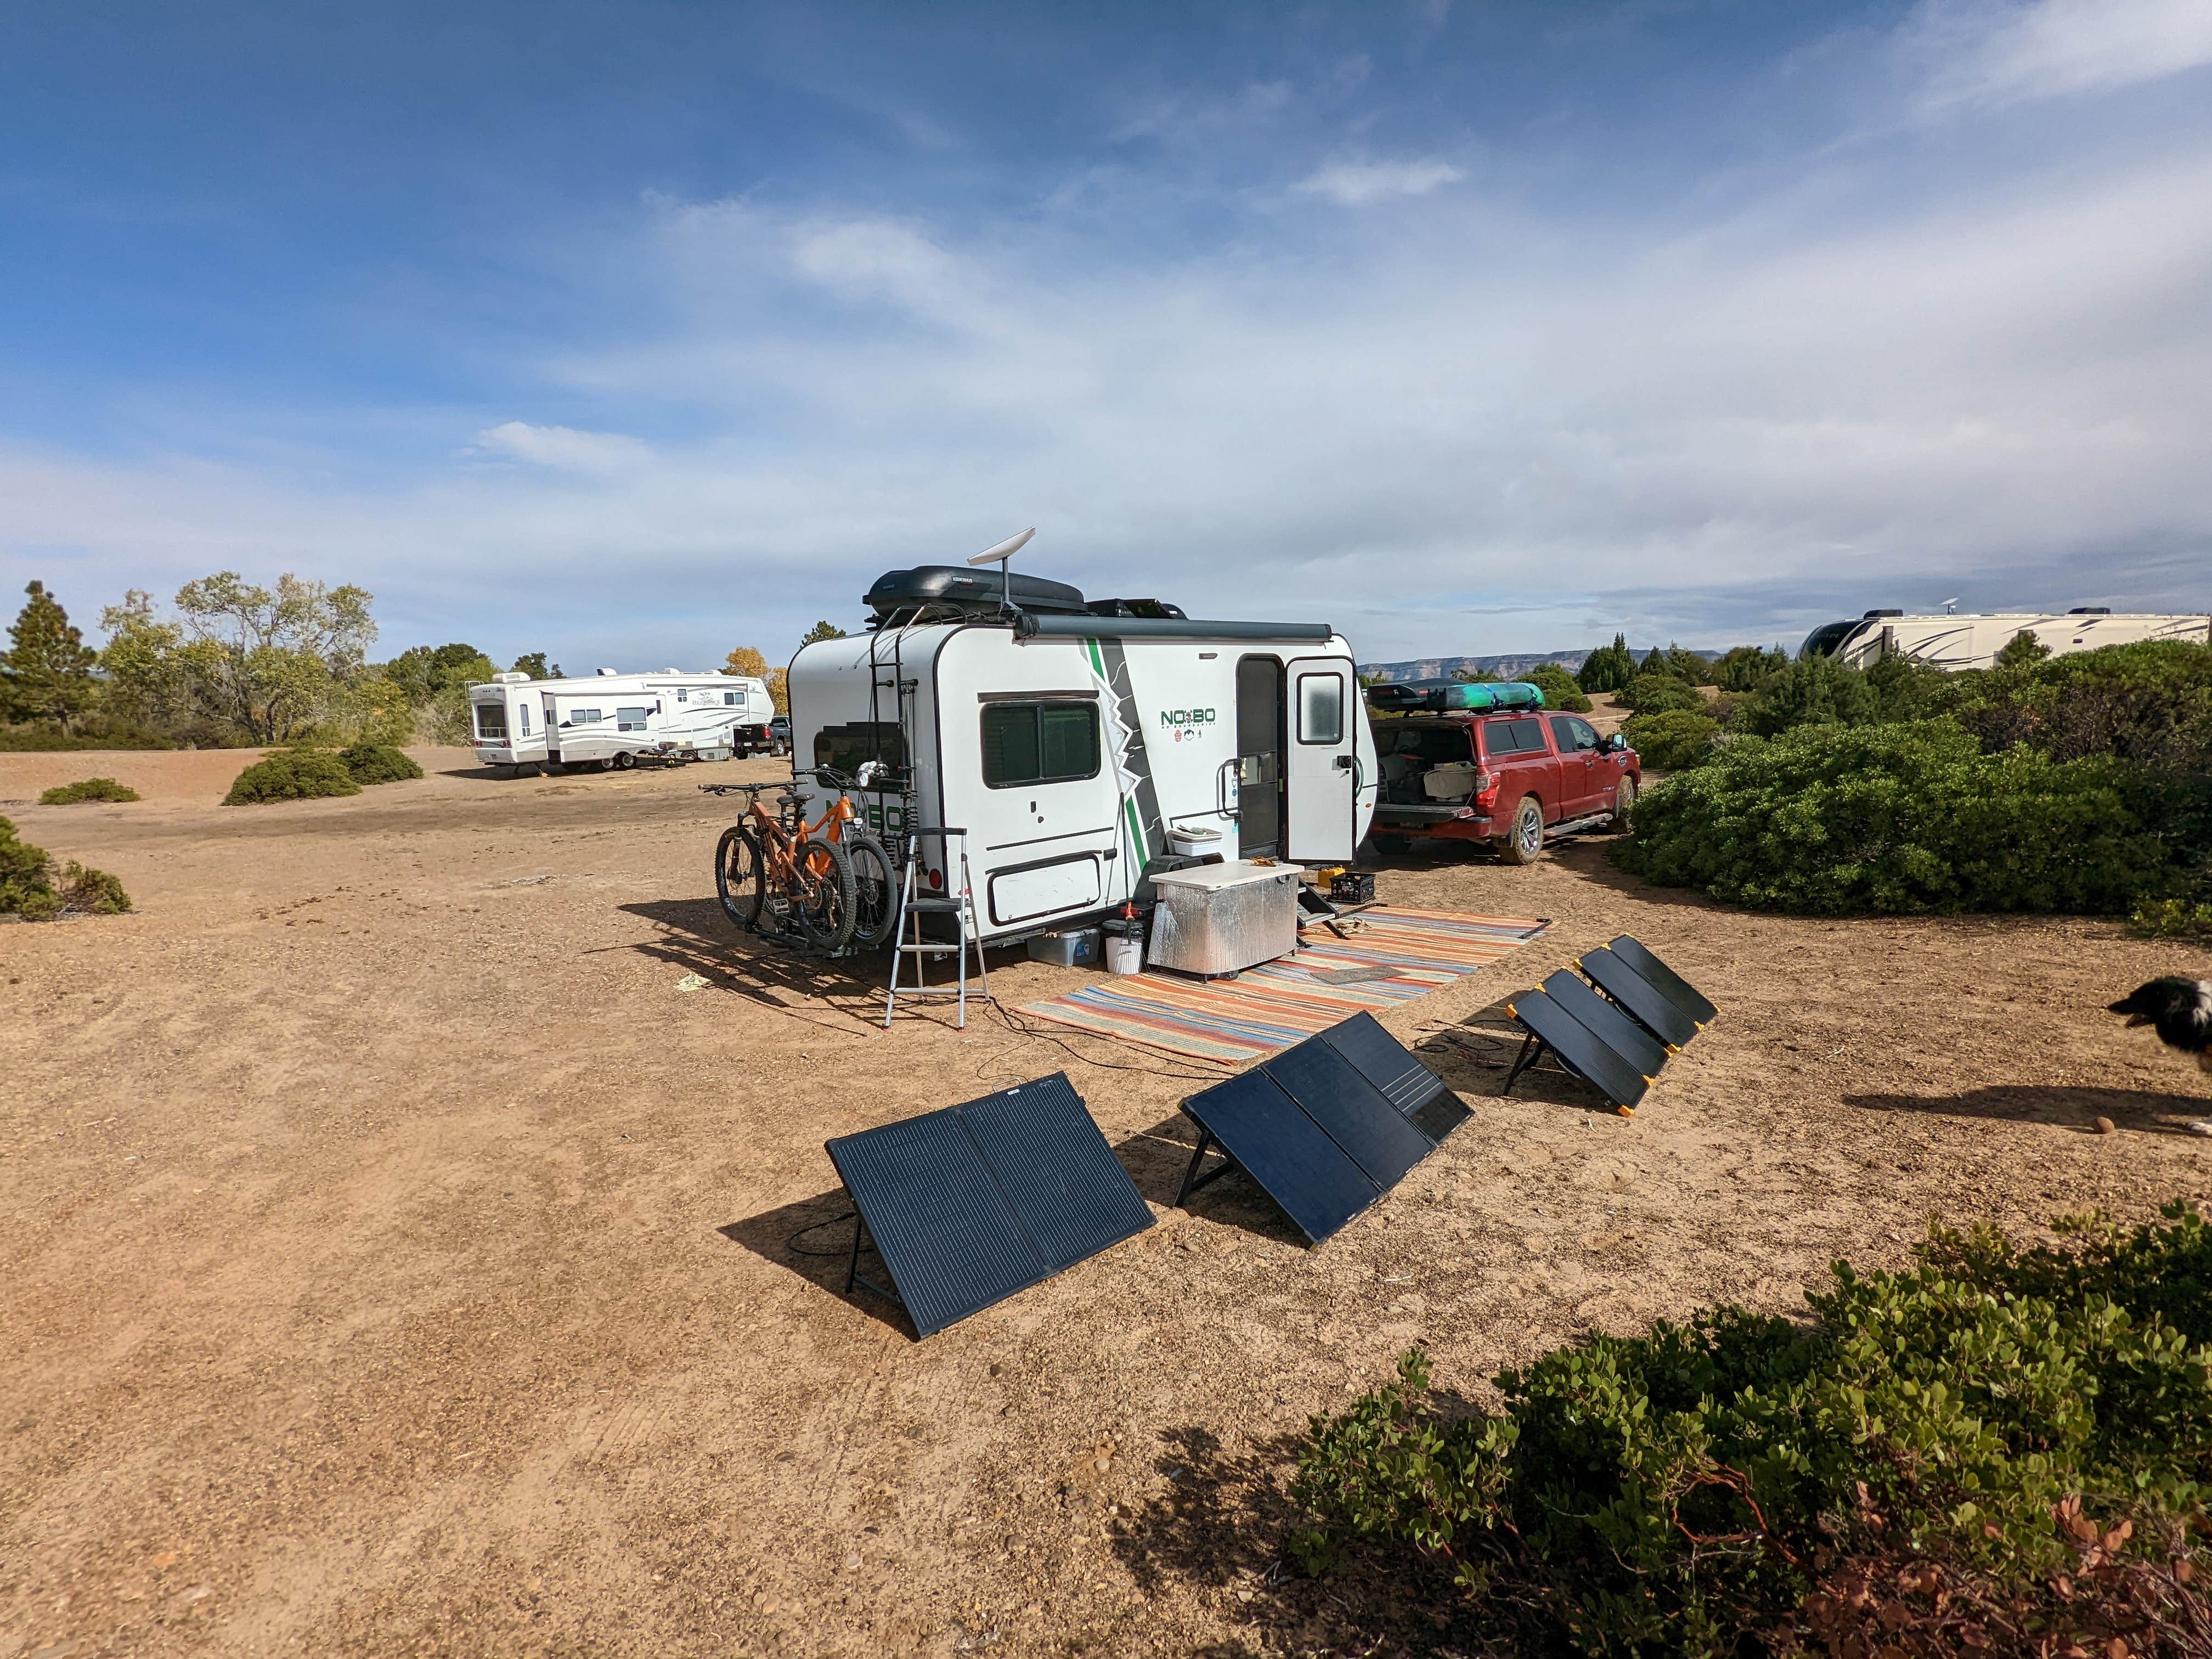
[(1651, 1006), (1678, 991), (1351, 1111), (970, 1204), (1607, 1023), (1265, 1133), (1550, 1027), (1407, 1083)]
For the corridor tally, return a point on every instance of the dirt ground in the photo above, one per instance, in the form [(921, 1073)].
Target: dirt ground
[(397, 1261)]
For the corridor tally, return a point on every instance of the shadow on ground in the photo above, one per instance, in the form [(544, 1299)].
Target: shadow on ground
[(2142, 1110), (1156, 1159), (813, 1238), (1225, 1525), (1473, 1056), (695, 935)]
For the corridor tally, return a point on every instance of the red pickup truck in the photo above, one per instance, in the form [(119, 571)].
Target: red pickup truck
[(1510, 779)]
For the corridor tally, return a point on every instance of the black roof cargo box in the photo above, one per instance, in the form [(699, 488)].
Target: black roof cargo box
[(953, 588)]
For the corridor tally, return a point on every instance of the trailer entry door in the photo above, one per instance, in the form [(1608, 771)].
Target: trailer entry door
[(1259, 757), (1323, 782)]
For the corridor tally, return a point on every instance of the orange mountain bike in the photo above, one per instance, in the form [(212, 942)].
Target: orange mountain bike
[(828, 883)]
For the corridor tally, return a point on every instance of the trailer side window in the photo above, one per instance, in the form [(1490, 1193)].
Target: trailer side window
[(525, 712), (847, 748), (1321, 709), (631, 720), (682, 694), (491, 720), (1027, 743), (583, 717), (730, 699)]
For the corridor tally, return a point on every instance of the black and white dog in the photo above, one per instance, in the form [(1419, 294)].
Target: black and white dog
[(2179, 1010)]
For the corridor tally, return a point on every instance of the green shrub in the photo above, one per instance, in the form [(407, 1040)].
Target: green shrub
[(291, 774), (2173, 918), (2150, 703), (1608, 668), (1999, 1450), (376, 763), (1743, 667), (1822, 691), (1673, 739), (95, 892), (94, 734), (1559, 688), (67, 795), (1836, 821), (27, 889), (1655, 694)]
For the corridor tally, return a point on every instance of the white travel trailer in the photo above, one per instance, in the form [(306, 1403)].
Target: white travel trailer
[(1957, 642), (610, 718), (1079, 743)]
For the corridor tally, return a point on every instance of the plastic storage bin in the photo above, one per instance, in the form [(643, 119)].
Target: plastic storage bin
[(1076, 948)]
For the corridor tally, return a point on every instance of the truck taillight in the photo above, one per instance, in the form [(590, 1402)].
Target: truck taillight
[(1486, 789)]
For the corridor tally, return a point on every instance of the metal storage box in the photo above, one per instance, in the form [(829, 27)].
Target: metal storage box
[(1221, 918)]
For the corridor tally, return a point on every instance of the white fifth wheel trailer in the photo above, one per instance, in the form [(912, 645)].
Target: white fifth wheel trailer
[(1957, 642), (1079, 743), (612, 719)]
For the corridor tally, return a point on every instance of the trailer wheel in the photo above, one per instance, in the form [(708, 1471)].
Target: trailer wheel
[(552, 769), (625, 761), (1524, 842)]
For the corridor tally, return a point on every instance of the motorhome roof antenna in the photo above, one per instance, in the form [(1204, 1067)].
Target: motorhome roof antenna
[(1002, 556)]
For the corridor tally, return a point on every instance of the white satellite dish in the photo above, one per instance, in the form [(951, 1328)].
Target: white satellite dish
[(1949, 605), (1005, 550)]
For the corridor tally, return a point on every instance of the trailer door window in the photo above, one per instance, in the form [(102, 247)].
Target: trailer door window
[(631, 720), (1027, 743), (1321, 709), (491, 720)]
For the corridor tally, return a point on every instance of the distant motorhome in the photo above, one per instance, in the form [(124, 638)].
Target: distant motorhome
[(1959, 642), (612, 719)]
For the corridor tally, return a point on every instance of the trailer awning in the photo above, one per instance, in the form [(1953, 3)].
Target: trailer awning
[(1029, 627)]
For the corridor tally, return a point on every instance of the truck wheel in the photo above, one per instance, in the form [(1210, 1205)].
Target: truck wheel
[(1393, 846), (1623, 801), (1524, 842)]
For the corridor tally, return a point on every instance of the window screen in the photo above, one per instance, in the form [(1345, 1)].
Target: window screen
[(491, 719), (1026, 743), (631, 720), (1321, 709)]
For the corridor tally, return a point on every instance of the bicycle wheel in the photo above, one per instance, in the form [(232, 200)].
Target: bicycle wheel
[(737, 878), (821, 903), (875, 890)]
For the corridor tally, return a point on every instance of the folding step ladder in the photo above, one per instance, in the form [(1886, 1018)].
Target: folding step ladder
[(958, 902)]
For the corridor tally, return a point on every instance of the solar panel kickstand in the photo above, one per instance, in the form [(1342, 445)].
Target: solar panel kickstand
[(1192, 1181), (853, 1273), (1533, 1050)]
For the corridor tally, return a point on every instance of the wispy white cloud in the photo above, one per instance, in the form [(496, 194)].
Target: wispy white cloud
[(1993, 52), (563, 448), (1362, 183)]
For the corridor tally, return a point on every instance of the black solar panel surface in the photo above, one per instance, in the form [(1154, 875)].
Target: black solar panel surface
[(1580, 1047), (1680, 991), (1351, 1111), (950, 1239), (1059, 1177), (1614, 1028), (1318, 1186), (1645, 1000), (1385, 1062)]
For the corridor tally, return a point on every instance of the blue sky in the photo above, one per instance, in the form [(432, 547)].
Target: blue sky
[(635, 331)]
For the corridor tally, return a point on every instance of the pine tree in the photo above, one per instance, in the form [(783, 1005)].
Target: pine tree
[(821, 631), (45, 674)]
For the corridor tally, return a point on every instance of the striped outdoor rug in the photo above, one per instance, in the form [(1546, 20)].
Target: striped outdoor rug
[(1270, 1007)]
